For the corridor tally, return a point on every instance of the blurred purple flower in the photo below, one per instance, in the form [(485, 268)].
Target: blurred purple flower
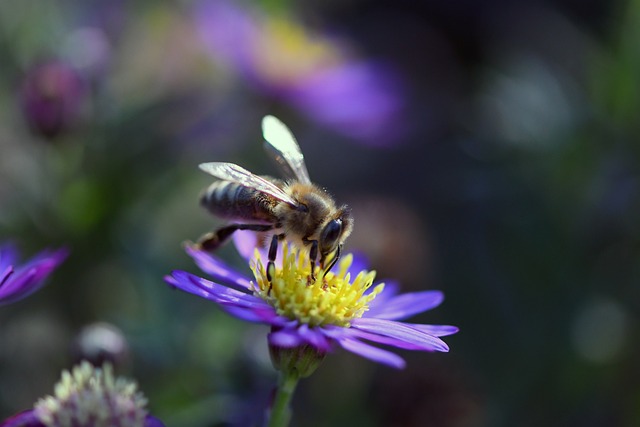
[(53, 96), (310, 72), (341, 308), (20, 281), (88, 396), (30, 419)]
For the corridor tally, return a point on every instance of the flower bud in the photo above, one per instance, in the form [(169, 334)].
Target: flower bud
[(53, 95), (302, 360)]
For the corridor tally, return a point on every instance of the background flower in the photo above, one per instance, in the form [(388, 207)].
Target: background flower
[(18, 281), (53, 95), (88, 396), (313, 73)]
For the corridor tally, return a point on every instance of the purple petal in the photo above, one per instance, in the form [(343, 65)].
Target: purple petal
[(255, 315), (359, 99), (20, 286), (314, 337), (373, 353), (381, 339), (8, 255), (213, 291), (226, 30), (400, 331), (151, 421), (4, 275), (30, 276), (248, 241), (187, 287), (405, 305), (360, 262), (225, 294), (390, 290), (435, 330), (23, 419), (217, 269), (285, 338)]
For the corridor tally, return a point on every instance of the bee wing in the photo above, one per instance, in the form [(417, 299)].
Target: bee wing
[(235, 173), (282, 146)]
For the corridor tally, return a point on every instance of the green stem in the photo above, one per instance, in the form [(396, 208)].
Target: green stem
[(280, 411)]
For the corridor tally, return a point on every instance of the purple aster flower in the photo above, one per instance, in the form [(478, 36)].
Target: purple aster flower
[(339, 308), (310, 72), (89, 397), (20, 281)]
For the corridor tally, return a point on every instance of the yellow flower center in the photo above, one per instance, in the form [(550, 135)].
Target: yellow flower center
[(329, 299), (286, 52)]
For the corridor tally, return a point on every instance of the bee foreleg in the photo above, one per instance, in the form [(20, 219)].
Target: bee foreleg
[(273, 251), (313, 255), (333, 261), (213, 240)]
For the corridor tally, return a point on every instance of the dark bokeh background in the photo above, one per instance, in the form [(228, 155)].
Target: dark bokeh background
[(488, 149)]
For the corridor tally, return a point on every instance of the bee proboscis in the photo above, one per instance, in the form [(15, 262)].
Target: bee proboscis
[(295, 209)]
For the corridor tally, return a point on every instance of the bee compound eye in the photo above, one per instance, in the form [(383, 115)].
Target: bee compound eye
[(331, 233)]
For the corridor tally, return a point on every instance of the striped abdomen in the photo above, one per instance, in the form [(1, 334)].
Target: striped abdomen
[(234, 201)]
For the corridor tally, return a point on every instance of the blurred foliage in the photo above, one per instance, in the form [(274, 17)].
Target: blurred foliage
[(513, 186)]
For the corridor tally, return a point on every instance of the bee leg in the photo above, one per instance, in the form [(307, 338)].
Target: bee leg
[(273, 251), (313, 255), (335, 258), (213, 240)]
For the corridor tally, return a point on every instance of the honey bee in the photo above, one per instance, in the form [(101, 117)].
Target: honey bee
[(295, 208)]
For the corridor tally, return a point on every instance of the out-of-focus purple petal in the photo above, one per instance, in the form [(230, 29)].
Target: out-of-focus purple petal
[(45, 261), (4, 275), (20, 286), (217, 269), (8, 255), (360, 99), (248, 241), (151, 421), (20, 281), (314, 337), (47, 258), (373, 353), (227, 31), (405, 305), (285, 338), (435, 330), (400, 331), (23, 419), (359, 263), (390, 290)]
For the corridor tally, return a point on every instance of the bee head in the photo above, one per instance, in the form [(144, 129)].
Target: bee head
[(334, 233)]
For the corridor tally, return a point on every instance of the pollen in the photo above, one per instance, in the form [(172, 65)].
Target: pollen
[(89, 396), (328, 299)]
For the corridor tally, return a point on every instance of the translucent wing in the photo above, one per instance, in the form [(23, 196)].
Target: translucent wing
[(281, 144), (235, 173)]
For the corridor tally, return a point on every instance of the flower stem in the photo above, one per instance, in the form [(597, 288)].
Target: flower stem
[(281, 411)]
